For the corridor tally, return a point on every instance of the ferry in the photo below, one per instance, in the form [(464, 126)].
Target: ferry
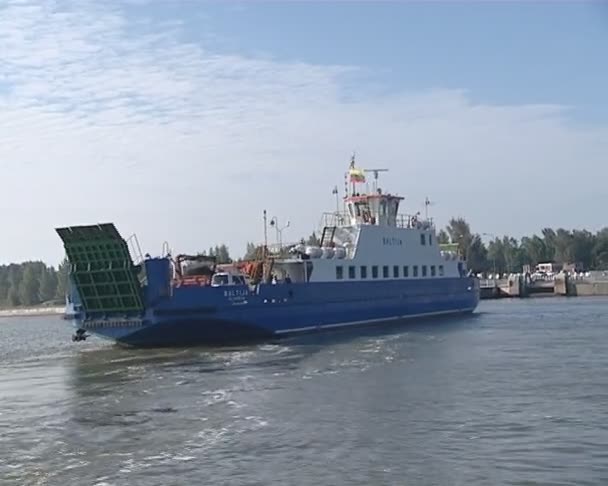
[(373, 265)]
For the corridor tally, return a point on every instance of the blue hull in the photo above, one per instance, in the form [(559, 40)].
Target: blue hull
[(236, 315)]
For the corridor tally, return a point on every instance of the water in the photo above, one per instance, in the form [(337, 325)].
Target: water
[(515, 395)]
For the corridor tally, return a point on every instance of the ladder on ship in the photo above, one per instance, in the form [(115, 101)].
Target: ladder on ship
[(326, 230)]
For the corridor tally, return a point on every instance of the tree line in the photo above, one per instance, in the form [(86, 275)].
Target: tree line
[(589, 251), (32, 283)]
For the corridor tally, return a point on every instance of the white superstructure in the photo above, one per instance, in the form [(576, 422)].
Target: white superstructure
[(372, 241)]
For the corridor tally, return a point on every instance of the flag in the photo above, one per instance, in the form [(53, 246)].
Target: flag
[(356, 175)]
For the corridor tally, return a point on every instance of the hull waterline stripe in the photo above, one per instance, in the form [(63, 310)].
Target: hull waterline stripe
[(370, 321)]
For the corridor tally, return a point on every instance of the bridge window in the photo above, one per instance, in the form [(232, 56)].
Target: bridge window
[(375, 271), (430, 240), (385, 271), (441, 270), (351, 272), (339, 272), (396, 271), (363, 271), (415, 270), (432, 270), (422, 239), (424, 270), (406, 271)]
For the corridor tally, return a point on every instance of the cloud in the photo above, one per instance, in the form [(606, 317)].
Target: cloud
[(108, 117)]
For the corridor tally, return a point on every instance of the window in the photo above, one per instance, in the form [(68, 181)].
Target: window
[(396, 271), (441, 270), (406, 271), (430, 240), (351, 272), (422, 239), (363, 271), (432, 270), (415, 269), (375, 271), (339, 272), (385, 271), (424, 270)]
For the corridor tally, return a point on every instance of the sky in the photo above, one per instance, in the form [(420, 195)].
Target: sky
[(181, 121)]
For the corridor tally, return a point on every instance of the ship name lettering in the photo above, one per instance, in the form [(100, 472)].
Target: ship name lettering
[(392, 241), (236, 293)]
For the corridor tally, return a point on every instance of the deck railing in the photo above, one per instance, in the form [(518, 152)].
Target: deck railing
[(409, 221)]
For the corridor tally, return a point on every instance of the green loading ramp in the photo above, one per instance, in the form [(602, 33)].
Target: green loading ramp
[(102, 269)]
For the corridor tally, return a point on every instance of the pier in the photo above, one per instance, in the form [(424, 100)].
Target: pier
[(564, 284)]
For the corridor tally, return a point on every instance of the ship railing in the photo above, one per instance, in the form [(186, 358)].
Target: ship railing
[(337, 218), (409, 221), (135, 249), (282, 249), (413, 221)]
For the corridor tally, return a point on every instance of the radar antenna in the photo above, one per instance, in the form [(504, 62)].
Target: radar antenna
[(375, 172)]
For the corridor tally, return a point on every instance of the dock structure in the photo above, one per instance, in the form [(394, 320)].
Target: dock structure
[(523, 285)]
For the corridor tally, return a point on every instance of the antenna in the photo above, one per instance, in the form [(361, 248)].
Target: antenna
[(427, 203), (375, 172), (335, 192)]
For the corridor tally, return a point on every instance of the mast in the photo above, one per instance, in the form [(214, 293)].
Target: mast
[(427, 203), (335, 192), (352, 168), (265, 233)]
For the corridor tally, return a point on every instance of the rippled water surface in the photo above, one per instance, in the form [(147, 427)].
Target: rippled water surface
[(517, 394)]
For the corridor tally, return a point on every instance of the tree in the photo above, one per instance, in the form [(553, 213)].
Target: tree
[(443, 237), (477, 255), (496, 256), (29, 287), (600, 250), (512, 255), (536, 250), (460, 233), (48, 284), (62, 279), (581, 251), (563, 246), (222, 254), (13, 297), (313, 240), (549, 238)]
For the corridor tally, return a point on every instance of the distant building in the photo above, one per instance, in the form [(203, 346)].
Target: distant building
[(548, 267)]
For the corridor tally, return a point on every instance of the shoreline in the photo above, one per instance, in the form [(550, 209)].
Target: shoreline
[(32, 311)]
